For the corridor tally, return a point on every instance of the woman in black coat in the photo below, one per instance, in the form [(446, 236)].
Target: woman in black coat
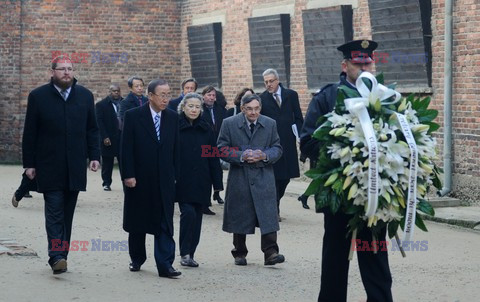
[(236, 110), (198, 172)]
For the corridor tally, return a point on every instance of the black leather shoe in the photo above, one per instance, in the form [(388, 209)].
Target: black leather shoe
[(274, 259), (59, 266), (207, 211), (303, 199), (171, 273), (107, 188), (216, 196), (27, 195), (134, 267), (240, 261)]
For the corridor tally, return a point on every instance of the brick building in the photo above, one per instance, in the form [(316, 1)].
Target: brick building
[(229, 43)]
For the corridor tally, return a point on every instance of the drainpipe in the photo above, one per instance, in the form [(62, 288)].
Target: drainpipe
[(447, 101)]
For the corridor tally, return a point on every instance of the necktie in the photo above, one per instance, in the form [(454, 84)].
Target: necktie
[(64, 94), (116, 106), (140, 100), (157, 125), (277, 98), (213, 116), (252, 127)]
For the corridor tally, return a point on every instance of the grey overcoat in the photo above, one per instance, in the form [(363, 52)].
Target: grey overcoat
[(250, 198)]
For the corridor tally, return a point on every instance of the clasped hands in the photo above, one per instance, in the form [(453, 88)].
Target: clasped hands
[(252, 156)]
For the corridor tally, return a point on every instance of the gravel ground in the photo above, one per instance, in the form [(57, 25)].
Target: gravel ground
[(447, 271)]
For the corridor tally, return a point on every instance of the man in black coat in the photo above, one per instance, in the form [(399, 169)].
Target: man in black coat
[(374, 268), (283, 106), (214, 114), (149, 157), (108, 120), (60, 134), (135, 98), (188, 85)]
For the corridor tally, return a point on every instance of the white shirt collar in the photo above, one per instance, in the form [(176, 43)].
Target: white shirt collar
[(153, 113), (60, 90)]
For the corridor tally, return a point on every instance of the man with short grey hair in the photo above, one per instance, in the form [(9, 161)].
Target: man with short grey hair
[(282, 105), (252, 146)]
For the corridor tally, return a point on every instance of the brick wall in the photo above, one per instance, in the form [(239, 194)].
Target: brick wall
[(147, 30), (154, 35)]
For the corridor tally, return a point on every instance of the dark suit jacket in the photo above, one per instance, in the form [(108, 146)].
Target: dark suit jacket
[(173, 104), (154, 165), (130, 102), (219, 112), (289, 114), (59, 136), (109, 126)]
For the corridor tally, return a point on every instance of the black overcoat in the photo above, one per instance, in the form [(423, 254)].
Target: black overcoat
[(154, 165), (59, 136), (130, 102), (219, 112), (287, 115), (109, 126), (200, 166)]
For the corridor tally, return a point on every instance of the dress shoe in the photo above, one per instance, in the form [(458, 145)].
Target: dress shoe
[(240, 261), (216, 196), (134, 267), (59, 266), (27, 195), (107, 188), (171, 273), (187, 261), (15, 201), (274, 259), (303, 199), (207, 211)]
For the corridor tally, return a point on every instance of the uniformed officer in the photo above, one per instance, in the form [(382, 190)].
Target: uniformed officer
[(374, 268)]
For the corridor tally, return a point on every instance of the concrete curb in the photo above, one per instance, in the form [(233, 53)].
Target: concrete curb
[(470, 224)]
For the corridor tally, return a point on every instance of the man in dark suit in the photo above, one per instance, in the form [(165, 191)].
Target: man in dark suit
[(135, 98), (214, 114), (253, 147), (150, 156), (108, 120), (374, 268), (283, 106), (188, 85), (60, 134)]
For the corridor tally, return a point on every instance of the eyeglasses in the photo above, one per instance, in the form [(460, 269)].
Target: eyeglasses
[(63, 69), (270, 81), (254, 110), (163, 95)]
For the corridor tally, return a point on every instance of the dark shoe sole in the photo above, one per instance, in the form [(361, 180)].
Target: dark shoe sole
[(133, 268), (275, 260), (241, 261), (15, 201)]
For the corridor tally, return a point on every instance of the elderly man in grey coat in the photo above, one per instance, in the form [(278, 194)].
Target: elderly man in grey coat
[(251, 145)]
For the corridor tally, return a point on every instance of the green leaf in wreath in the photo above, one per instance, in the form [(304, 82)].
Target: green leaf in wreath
[(334, 202), (349, 92), (432, 127), (337, 186), (420, 224), (313, 187), (427, 115), (321, 200), (380, 78), (426, 208), (392, 228)]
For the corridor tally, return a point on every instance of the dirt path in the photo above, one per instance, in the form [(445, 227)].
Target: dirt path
[(448, 271)]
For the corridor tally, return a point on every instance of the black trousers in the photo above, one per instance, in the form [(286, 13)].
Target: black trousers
[(59, 210), (163, 251), (281, 186), (268, 243), (26, 185), (190, 227), (374, 268), (107, 169)]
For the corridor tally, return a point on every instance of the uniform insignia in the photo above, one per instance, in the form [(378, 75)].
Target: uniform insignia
[(365, 44)]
